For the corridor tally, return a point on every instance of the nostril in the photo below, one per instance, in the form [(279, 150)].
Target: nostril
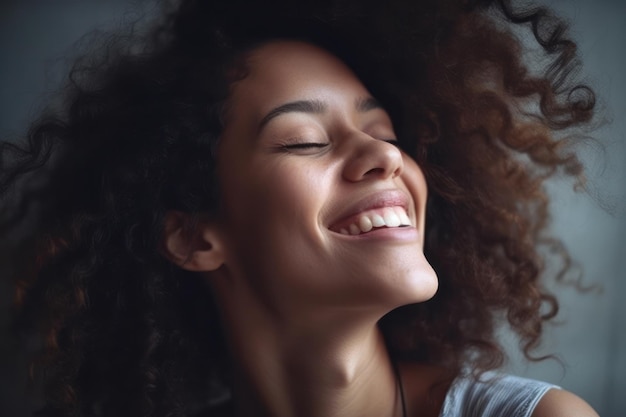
[(375, 171)]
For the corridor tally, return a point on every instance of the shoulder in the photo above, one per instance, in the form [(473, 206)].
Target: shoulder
[(495, 394), (561, 403)]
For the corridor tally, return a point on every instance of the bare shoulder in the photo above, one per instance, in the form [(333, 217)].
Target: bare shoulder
[(561, 403)]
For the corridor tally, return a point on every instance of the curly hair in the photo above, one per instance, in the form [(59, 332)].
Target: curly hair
[(84, 197)]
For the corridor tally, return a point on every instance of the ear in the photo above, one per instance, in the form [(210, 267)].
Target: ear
[(194, 245)]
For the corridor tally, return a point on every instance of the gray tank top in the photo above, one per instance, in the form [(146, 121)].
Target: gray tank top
[(495, 395)]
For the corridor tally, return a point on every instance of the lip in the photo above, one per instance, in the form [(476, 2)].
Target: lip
[(384, 234), (378, 200)]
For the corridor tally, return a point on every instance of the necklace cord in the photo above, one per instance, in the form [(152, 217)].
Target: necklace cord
[(396, 372)]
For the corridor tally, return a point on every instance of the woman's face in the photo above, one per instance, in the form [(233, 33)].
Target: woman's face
[(319, 207)]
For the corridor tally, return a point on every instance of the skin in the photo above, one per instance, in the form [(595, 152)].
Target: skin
[(312, 296), (299, 300), (306, 272)]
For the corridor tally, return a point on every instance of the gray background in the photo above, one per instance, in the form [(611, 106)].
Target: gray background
[(590, 339)]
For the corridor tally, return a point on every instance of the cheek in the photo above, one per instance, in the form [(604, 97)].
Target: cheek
[(271, 218), (414, 179), (271, 196)]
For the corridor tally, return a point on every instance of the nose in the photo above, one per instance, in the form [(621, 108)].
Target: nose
[(370, 158)]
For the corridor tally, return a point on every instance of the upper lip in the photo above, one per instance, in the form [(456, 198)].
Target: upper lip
[(380, 199)]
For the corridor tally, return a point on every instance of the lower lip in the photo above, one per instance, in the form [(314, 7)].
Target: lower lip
[(386, 233)]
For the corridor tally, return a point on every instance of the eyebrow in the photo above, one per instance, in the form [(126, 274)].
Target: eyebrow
[(300, 106), (366, 104), (362, 105)]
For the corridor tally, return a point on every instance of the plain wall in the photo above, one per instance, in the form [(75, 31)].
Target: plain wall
[(36, 35)]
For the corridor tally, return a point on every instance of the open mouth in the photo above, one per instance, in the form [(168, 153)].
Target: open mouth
[(386, 217)]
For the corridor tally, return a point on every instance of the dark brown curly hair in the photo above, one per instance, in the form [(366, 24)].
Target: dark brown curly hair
[(84, 197)]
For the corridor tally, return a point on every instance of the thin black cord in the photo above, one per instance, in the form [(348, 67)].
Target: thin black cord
[(396, 371)]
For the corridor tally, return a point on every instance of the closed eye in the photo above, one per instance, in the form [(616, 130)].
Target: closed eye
[(305, 145)]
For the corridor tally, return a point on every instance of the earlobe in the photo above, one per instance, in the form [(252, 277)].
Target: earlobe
[(192, 244)]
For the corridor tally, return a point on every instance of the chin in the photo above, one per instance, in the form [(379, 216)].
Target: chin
[(418, 287)]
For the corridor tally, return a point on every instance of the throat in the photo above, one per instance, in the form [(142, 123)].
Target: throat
[(357, 378)]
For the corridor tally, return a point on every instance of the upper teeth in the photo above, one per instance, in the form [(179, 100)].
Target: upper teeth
[(389, 217)]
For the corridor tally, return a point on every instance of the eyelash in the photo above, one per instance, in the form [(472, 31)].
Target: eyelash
[(305, 145)]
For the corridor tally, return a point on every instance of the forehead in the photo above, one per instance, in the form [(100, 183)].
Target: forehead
[(283, 71)]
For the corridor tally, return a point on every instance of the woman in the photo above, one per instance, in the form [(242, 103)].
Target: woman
[(230, 218)]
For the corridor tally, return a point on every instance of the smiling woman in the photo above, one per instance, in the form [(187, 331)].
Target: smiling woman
[(301, 210), (340, 173)]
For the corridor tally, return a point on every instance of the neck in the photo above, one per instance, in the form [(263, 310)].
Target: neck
[(326, 368), (351, 376)]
